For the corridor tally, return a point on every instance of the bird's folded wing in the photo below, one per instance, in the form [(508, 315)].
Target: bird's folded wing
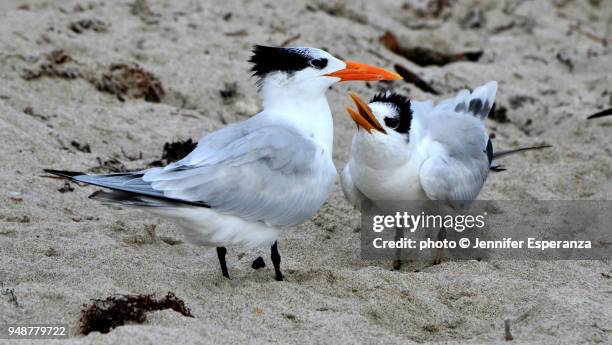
[(258, 174), (458, 182), (351, 192)]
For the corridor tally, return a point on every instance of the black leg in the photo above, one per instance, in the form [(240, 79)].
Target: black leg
[(276, 260), (221, 251)]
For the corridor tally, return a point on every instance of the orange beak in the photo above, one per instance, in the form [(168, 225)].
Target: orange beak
[(363, 117), (359, 71)]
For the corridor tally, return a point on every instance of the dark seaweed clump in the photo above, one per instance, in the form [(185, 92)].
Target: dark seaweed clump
[(104, 315), (130, 80), (175, 151), (88, 24), (56, 64)]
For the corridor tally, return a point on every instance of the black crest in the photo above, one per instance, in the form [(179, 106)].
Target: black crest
[(272, 59), (400, 123)]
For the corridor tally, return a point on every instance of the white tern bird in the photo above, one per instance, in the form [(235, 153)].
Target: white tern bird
[(246, 181), (405, 150)]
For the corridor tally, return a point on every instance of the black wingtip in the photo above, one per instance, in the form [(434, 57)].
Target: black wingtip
[(63, 173), (603, 113)]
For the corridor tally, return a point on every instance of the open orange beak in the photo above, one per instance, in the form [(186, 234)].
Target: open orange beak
[(363, 116), (359, 71)]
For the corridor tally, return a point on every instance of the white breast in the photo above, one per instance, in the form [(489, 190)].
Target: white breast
[(396, 183)]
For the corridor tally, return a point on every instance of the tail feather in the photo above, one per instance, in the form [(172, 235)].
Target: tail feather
[(129, 199), (64, 173), (478, 103), (126, 181), (128, 188)]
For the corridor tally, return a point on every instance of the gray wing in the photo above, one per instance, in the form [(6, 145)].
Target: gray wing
[(446, 178), (132, 182), (457, 172), (254, 170), (260, 174)]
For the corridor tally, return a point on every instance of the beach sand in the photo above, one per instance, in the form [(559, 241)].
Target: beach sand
[(60, 250)]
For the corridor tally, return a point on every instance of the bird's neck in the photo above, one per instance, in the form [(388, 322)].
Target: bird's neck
[(379, 151), (307, 112)]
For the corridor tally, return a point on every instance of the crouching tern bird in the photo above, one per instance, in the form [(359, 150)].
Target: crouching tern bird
[(246, 181), (405, 150)]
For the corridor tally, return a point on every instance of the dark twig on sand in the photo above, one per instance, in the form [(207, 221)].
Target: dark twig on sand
[(290, 40), (425, 56), (237, 33), (412, 78), (589, 35)]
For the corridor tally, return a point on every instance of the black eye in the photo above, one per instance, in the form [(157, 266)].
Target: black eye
[(391, 122), (318, 63)]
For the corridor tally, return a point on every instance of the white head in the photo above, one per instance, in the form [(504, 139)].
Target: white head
[(383, 129), (304, 73)]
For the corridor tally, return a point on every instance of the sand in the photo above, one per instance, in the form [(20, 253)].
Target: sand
[(60, 250)]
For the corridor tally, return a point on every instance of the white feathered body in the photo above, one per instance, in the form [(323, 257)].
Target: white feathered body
[(253, 178), (246, 181), (282, 178), (443, 158)]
